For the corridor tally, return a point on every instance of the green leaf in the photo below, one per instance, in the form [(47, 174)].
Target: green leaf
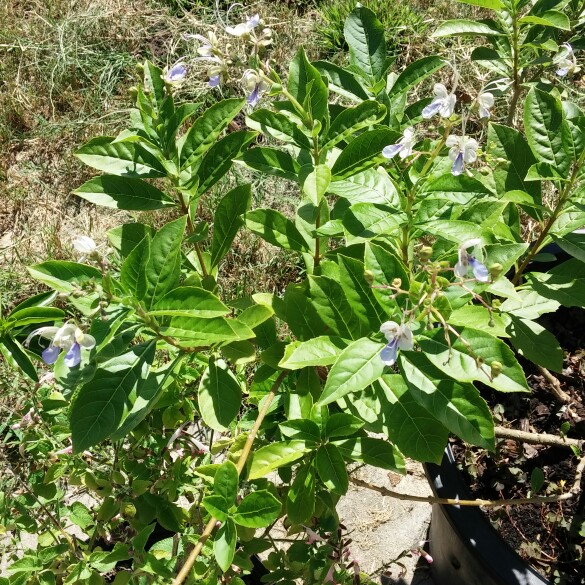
[(465, 28), (30, 315), (456, 404), (342, 81), (123, 193), (456, 361), (352, 120), (224, 544), (127, 236), (536, 480), (65, 277), (275, 455), (190, 301), (331, 469), (410, 426), (98, 406), (227, 221), (315, 182), (459, 189), (363, 152), (300, 499), (306, 85), (543, 123), (334, 309), (478, 317), (364, 221), (194, 331), (257, 510), (220, 395), (16, 357), (376, 452), (510, 145), (552, 18), (218, 160), (301, 315), (124, 159), (358, 366), (255, 315), (535, 343), (303, 429), (453, 230), (318, 351), (364, 34), (385, 267), (271, 161), (163, 268), (276, 229), (342, 424), (278, 126), (567, 290), (371, 186), (207, 129), (415, 73), (573, 244), (529, 305), (225, 482), (133, 272)]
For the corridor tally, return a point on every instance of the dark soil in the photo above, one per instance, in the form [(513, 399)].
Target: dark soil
[(550, 536)]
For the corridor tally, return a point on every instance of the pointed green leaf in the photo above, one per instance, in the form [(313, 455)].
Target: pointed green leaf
[(224, 544), (124, 159), (358, 366), (331, 469), (276, 229), (133, 272), (98, 406), (415, 73), (305, 84), (318, 351), (225, 482), (300, 499), (220, 395), (194, 331), (63, 276), (376, 452), (303, 429), (315, 182), (385, 267), (227, 221), (278, 126), (30, 315), (271, 161), (190, 301), (123, 193), (257, 510), (164, 263), (552, 18), (275, 455), (465, 28), (16, 357), (342, 81), (342, 424)]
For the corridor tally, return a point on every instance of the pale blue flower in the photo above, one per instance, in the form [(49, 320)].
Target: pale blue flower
[(69, 338), (244, 28), (467, 261), (463, 150), (403, 147), (565, 61), (176, 74), (443, 104), (486, 103), (255, 85), (398, 337)]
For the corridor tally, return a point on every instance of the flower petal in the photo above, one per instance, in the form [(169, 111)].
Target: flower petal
[(51, 354), (73, 356), (480, 272), (430, 110), (214, 81), (459, 165), (389, 353), (392, 150), (461, 269), (46, 332), (440, 90), (390, 329)]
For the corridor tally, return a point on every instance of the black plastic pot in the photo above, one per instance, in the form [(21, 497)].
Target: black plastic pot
[(466, 549)]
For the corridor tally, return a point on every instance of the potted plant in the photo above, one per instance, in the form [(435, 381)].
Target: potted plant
[(217, 417)]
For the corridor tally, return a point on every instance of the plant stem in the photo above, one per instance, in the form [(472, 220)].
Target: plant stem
[(563, 197), (184, 572), (537, 438)]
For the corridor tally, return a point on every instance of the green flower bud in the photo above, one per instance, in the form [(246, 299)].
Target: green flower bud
[(425, 252), (495, 270), (397, 282), (496, 369), (369, 277)]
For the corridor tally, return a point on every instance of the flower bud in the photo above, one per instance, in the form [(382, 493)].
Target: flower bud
[(369, 277), (425, 253), (495, 270), (397, 282), (496, 369)]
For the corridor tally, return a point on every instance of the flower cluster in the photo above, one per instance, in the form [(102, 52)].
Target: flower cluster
[(565, 61), (68, 338)]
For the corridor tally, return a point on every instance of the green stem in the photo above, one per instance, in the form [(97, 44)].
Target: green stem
[(517, 82), (563, 197)]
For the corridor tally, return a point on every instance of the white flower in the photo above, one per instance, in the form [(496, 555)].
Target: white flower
[(466, 261), (69, 338), (255, 84), (176, 73), (565, 61), (403, 147), (486, 102), (463, 150), (209, 44), (444, 103), (398, 337), (85, 246), (244, 28)]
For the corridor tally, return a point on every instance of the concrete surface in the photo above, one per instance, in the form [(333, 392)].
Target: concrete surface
[(384, 529)]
